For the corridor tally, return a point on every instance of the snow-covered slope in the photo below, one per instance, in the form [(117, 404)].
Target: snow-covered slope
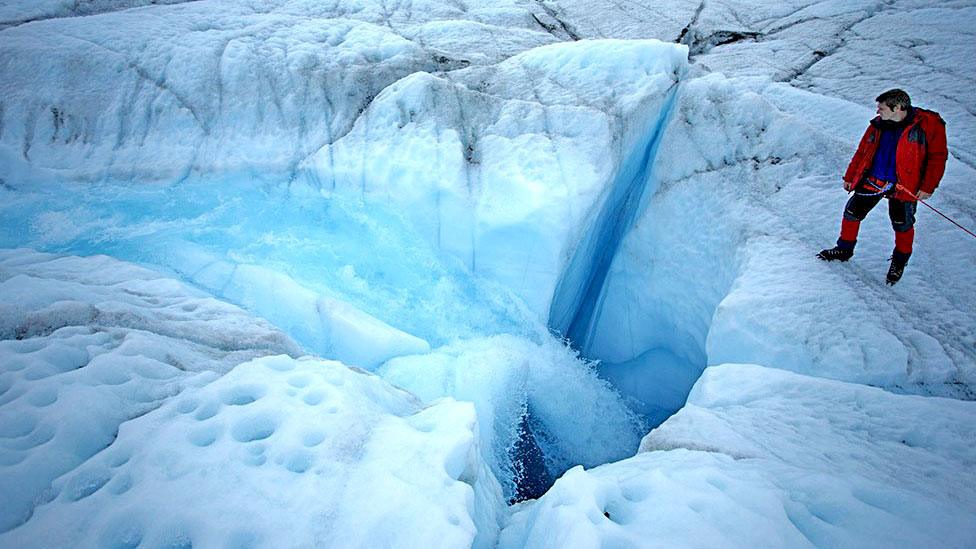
[(440, 192)]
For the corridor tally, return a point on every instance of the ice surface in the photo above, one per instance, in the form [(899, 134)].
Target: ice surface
[(278, 452), (629, 20), (832, 48), (218, 86), (18, 12), (286, 256), (768, 458), (912, 442), (90, 343), (416, 188)]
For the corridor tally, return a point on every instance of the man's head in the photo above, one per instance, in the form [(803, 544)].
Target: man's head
[(893, 105)]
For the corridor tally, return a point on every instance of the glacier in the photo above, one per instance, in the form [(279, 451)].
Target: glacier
[(507, 274)]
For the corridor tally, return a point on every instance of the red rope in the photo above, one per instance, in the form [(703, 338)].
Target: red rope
[(913, 195)]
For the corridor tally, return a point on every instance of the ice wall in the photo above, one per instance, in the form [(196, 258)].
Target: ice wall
[(718, 269), (579, 294), (506, 167)]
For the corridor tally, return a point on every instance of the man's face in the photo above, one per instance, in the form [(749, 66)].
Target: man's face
[(894, 115)]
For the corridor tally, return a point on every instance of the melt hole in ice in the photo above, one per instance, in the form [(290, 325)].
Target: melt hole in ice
[(532, 476), (253, 428)]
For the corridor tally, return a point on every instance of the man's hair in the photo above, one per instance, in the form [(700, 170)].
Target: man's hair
[(895, 98)]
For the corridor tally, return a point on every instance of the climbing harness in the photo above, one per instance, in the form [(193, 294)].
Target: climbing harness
[(888, 185)]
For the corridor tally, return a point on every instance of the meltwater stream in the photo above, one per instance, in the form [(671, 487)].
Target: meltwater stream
[(267, 247), (210, 233), (275, 251)]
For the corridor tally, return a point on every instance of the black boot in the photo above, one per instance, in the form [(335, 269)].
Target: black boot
[(843, 251), (897, 267)]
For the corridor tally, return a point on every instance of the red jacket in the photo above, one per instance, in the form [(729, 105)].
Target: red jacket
[(919, 160)]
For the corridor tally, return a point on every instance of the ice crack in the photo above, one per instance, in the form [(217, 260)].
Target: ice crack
[(553, 24)]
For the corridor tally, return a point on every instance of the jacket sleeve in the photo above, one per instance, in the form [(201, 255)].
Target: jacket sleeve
[(852, 174), (936, 153)]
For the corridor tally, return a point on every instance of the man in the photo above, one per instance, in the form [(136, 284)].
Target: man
[(901, 157)]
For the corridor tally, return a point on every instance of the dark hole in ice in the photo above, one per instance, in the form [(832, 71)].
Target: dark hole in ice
[(532, 477)]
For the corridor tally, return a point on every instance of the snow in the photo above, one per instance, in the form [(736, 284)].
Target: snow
[(154, 382), (545, 220), (318, 428)]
